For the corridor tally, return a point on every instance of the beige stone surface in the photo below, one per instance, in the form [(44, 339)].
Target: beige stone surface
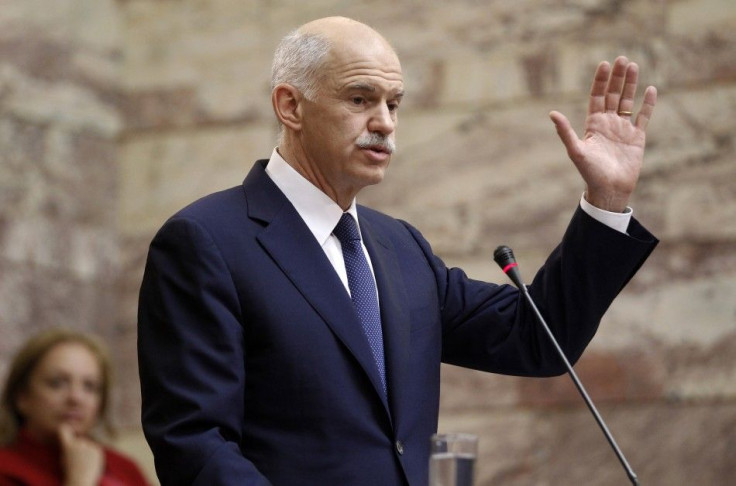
[(115, 113), (161, 174), (132, 443)]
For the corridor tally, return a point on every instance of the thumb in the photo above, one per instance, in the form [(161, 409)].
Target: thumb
[(568, 136), (66, 435)]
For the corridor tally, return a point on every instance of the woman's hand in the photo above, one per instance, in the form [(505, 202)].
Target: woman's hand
[(82, 459)]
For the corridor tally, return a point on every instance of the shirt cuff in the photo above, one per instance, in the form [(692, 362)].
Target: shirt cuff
[(618, 221)]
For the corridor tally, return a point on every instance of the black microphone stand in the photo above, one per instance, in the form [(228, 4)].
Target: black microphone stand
[(505, 258)]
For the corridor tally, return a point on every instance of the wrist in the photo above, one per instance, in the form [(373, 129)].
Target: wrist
[(607, 202)]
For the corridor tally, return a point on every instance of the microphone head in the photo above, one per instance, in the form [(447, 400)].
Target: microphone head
[(504, 256)]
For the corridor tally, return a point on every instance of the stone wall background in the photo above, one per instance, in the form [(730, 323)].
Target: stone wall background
[(115, 113)]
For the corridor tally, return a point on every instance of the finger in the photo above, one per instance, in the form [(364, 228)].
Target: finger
[(616, 84), (626, 104), (597, 103), (66, 435), (647, 108), (564, 130)]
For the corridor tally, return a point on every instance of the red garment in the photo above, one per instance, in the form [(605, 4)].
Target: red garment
[(28, 462)]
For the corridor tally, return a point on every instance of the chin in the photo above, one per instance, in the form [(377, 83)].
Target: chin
[(79, 427), (377, 172), (366, 174), (374, 179)]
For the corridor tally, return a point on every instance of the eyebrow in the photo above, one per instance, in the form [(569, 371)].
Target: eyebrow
[(371, 89)]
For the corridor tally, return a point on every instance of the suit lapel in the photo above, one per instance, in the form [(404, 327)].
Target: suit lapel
[(287, 239)]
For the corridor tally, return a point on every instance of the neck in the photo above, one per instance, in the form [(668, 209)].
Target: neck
[(296, 157)]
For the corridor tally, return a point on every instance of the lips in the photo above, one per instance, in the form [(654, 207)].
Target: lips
[(378, 148), (73, 417), (376, 154)]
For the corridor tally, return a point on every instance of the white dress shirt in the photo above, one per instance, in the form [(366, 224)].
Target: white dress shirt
[(318, 211)]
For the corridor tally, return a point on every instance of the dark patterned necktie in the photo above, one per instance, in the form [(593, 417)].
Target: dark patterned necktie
[(362, 288)]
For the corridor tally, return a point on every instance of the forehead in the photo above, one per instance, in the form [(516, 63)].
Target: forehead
[(72, 357), (372, 64)]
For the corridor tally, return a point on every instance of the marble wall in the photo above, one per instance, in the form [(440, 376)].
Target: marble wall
[(115, 113)]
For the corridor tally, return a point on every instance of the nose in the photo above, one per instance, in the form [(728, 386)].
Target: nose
[(74, 395), (77, 393), (383, 120)]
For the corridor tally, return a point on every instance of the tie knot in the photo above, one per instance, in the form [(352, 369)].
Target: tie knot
[(346, 229)]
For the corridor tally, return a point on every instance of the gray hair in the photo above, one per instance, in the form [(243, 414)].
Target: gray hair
[(298, 60)]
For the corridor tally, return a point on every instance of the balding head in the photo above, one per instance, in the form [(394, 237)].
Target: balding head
[(340, 31), (301, 56)]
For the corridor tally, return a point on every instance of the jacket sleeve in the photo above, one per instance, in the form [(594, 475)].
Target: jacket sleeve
[(191, 361), (490, 327)]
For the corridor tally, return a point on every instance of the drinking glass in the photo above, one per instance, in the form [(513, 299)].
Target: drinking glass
[(452, 459)]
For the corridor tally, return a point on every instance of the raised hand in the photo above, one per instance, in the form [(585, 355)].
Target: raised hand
[(82, 459), (610, 154)]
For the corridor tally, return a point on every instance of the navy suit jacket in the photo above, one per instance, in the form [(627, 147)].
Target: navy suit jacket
[(254, 368)]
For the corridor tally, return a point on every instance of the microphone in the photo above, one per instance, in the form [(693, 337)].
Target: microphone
[(504, 256)]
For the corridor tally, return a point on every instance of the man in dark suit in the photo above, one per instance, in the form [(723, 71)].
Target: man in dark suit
[(275, 347)]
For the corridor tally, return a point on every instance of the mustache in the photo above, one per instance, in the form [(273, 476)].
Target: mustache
[(377, 141)]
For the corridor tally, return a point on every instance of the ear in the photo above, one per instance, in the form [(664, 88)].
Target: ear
[(287, 104)]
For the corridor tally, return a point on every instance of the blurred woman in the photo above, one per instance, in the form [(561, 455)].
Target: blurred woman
[(55, 396)]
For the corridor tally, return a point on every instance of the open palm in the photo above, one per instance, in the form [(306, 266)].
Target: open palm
[(610, 154)]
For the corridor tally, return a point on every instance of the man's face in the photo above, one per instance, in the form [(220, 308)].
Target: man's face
[(349, 129)]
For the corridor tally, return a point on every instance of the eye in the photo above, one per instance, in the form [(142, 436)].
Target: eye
[(93, 387), (358, 100), (393, 106), (55, 382)]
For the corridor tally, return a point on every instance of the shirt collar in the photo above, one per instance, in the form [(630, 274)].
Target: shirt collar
[(319, 212)]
